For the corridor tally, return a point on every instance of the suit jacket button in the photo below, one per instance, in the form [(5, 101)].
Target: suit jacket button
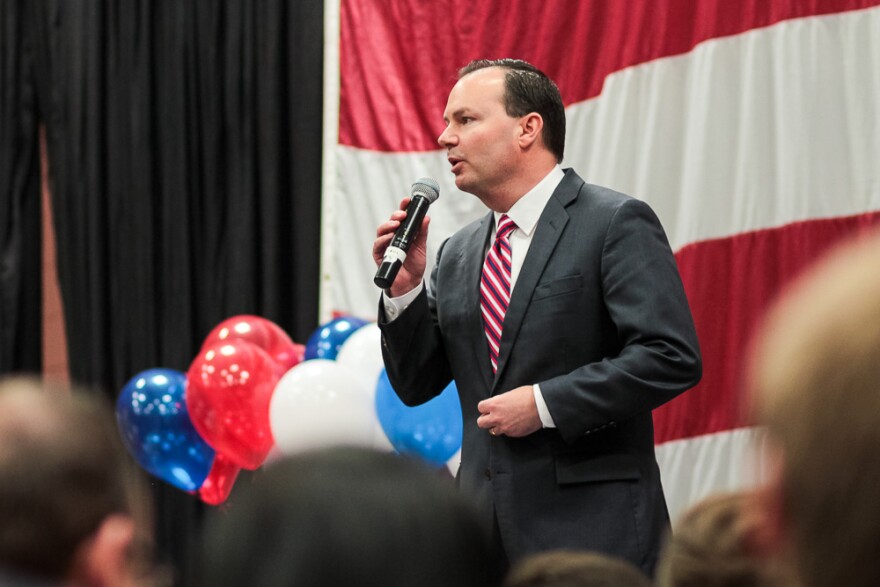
[(488, 473)]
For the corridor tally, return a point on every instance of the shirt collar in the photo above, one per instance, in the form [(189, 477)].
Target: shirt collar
[(527, 210)]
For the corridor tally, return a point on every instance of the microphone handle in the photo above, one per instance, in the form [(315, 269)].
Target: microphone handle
[(406, 234), (409, 228), (386, 273)]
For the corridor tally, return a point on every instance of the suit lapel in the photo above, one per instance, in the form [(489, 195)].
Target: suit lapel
[(547, 233)]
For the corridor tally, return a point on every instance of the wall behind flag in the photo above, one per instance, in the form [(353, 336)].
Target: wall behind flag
[(752, 131)]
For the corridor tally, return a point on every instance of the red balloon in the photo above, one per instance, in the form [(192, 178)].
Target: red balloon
[(229, 387), (286, 353), (218, 484), (290, 356), (262, 332)]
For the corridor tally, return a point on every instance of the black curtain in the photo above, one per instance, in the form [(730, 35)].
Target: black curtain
[(20, 221), (184, 141)]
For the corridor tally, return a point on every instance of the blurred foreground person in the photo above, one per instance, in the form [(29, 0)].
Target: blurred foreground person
[(815, 379), (345, 516), (715, 544), (574, 568), (73, 507)]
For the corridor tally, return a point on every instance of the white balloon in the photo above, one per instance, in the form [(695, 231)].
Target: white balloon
[(362, 353), (320, 403), (380, 439), (454, 463)]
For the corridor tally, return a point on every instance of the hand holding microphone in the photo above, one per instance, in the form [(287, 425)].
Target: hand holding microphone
[(390, 256)]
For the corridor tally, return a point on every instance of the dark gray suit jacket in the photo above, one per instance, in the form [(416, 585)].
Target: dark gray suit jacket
[(598, 317)]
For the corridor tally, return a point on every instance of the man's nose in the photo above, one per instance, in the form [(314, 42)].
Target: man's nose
[(446, 138)]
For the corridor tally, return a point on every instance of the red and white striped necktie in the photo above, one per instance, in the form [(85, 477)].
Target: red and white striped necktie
[(495, 287)]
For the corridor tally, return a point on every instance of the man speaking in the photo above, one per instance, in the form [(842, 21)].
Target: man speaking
[(562, 319)]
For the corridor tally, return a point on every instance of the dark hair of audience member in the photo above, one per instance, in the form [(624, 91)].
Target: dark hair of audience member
[(345, 516)]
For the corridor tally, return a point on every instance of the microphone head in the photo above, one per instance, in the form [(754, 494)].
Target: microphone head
[(427, 187)]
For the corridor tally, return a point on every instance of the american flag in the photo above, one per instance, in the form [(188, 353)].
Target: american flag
[(751, 128)]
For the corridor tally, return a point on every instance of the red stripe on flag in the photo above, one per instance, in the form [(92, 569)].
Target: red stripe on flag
[(729, 283), (398, 59)]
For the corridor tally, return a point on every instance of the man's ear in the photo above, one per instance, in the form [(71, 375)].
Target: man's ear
[(103, 560), (530, 127)]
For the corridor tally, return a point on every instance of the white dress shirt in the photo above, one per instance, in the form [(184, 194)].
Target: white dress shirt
[(525, 214)]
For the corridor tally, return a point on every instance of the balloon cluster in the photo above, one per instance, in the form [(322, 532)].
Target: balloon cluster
[(252, 392)]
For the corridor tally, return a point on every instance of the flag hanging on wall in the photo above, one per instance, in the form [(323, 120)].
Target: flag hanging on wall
[(752, 129)]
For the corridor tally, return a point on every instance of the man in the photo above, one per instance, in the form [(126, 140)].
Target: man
[(815, 380), (73, 511), (557, 380)]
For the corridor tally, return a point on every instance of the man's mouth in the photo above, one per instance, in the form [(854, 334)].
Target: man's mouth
[(456, 163)]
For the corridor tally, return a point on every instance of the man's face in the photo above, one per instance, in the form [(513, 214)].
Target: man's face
[(480, 138)]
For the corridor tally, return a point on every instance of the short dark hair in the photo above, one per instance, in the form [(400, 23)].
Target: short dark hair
[(528, 89), (336, 516)]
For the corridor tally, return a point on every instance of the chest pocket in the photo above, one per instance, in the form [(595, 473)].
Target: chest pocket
[(558, 287)]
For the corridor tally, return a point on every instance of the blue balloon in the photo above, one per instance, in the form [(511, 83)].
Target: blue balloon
[(431, 431), (324, 342), (156, 428)]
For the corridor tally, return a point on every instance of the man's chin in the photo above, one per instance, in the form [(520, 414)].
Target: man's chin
[(462, 183)]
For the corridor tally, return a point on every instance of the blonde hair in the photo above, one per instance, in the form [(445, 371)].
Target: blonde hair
[(574, 568), (815, 379), (63, 471), (714, 545)]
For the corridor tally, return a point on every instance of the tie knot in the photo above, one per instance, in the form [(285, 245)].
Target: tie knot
[(505, 227)]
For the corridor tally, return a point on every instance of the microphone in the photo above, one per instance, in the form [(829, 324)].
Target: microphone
[(423, 193)]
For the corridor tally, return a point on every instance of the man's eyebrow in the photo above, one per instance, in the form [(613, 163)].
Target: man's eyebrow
[(457, 114)]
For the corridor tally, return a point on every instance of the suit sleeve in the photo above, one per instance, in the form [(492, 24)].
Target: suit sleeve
[(412, 349), (659, 354)]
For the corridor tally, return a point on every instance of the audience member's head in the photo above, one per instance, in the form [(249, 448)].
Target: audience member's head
[(72, 507), (574, 568), (715, 545), (345, 516), (815, 378)]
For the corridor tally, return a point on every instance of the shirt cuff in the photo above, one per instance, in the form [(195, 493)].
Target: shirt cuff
[(394, 306), (543, 412)]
